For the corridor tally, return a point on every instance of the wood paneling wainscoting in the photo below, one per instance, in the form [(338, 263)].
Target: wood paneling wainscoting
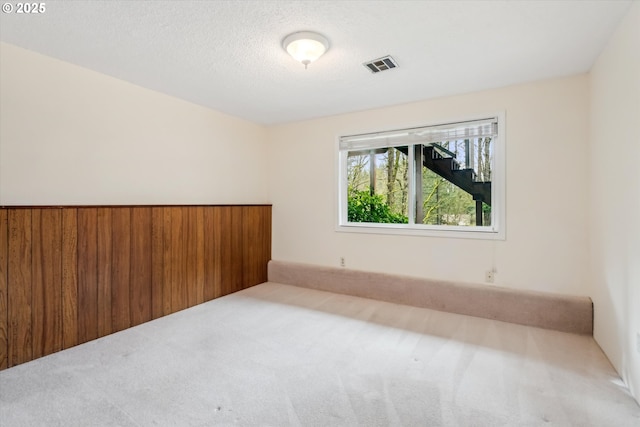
[(69, 275)]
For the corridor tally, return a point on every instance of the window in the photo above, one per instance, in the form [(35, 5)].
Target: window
[(445, 179)]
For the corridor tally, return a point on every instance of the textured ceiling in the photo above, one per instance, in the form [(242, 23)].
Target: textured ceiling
[(227, 55)]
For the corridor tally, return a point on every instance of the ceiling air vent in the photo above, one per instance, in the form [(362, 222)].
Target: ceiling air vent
[(381, 64)]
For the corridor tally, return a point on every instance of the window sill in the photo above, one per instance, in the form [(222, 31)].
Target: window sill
[(481, 233)]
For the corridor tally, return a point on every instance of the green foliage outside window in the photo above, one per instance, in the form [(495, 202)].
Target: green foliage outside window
[(364, 207)]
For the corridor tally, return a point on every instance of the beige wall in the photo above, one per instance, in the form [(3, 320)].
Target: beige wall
[(546, 244), (615, 199), (73, 136)]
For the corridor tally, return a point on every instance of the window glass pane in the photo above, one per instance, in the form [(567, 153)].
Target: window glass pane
[(377, 185), (454, 182)]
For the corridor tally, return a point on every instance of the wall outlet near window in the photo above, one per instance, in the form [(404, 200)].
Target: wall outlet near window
[(489, 276), (342, 262), (638, 342)]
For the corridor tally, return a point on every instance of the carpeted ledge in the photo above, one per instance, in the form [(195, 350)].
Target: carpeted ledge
[(545, 310)]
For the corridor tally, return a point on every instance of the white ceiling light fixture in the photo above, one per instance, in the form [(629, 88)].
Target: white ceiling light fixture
[(305, 46)]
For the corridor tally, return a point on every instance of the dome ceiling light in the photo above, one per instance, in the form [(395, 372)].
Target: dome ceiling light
[(305, 46)]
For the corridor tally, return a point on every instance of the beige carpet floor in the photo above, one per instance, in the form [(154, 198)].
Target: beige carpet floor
[(278, 355)]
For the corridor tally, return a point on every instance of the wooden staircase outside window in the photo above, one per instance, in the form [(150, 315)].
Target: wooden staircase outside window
[(443, 163)]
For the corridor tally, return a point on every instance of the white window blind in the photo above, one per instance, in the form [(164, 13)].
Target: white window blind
[(422, 135)]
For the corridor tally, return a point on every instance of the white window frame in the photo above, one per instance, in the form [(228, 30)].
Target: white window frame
[(497, 229)]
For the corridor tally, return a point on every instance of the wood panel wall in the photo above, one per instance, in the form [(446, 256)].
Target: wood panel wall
[(69, 275)]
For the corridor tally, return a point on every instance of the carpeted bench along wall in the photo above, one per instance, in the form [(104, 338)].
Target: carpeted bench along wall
[(544, 310)]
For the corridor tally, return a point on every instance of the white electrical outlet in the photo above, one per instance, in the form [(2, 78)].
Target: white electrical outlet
[(489, 276), (342, 262), (638, 342)]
